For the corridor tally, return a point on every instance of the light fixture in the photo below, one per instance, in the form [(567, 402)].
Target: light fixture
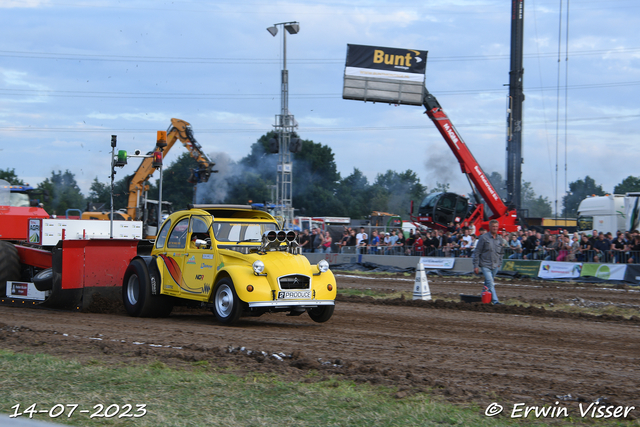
[(292, 28), (273, 30)]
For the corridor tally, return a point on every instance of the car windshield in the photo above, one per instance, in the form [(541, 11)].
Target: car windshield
[(235, 231)]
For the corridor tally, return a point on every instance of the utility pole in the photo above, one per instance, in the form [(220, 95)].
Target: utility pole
[(514, 111)]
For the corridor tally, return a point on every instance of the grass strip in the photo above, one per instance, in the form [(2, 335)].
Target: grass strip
[(200, 396)]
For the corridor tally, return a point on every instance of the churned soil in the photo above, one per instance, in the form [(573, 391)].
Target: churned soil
[(465, 353)]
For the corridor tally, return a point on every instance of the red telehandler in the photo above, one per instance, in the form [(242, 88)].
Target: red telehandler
[(440, 210)]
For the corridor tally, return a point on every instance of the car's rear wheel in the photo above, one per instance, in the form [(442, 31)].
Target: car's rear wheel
[(136, 292), (227, 307), (321, 313)]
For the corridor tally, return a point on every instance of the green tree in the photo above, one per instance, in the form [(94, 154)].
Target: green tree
[(629, 184), (315, 177), (440, 188), (99, 193), (578, 191), (537, 206), (499, 184), (353, 194), (176, 187), (392, 192), (63, 193), (10, 176)]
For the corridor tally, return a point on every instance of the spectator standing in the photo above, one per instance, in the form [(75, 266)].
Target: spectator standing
[(602, 247), (326, 244), (619, 247), (400, 243), (374, 242), (574, 250), (418, 245), (393, 238), (361, 236), (634, 249), (313, 240), (304, 241), (409, 243), (563, 248), (352, 239), (515, 246), (488, 257), (344, 240), (431, 243)]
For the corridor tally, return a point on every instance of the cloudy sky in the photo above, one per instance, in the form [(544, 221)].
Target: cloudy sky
[(73, 73)]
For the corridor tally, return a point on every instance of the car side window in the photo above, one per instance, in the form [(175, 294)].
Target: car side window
[(199, 228), (163, 234), (178, 236)]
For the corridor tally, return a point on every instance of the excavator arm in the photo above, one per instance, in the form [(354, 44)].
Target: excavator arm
[(179, 130)]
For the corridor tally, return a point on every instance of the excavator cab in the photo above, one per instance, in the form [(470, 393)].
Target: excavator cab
[(444, 208)]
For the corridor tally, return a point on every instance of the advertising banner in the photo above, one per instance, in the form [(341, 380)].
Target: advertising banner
[(604, 271), (525, 268), (441, 263), (632, 275), (384, 74), (559, 270), (386, 62)]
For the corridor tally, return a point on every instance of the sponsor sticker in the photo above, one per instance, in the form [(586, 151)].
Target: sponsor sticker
[(191, 260), (203, 265), (294, 295), (207, 256)]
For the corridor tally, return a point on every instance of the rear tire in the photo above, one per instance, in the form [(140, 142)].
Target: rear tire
[(321, 313), (227, 307), (136, 292), (9, 265)]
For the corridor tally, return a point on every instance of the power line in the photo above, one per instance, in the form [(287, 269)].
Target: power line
[(192, 95), (302, 130), (234, 61)]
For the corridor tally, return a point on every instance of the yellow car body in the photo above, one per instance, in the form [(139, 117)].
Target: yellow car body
[(222, 257)]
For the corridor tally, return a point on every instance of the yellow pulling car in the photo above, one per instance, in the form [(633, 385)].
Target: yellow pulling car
[(232, 259)]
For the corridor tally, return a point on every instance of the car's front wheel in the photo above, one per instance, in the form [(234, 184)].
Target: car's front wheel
[(227, 307), (321, 313)]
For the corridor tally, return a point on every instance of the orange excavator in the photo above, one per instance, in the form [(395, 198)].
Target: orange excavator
[(139, 207)]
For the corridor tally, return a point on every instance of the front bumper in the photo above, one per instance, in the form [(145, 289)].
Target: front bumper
[(291, 303)]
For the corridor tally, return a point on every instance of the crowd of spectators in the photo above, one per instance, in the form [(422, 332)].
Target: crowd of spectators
[(461, 242)]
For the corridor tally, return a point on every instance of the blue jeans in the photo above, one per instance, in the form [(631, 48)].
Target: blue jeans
[(489, 275)]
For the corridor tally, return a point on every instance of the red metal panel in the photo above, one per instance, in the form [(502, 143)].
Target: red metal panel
[(14, 221), (35, 257), (95, 263), (73, 263), (107, 260)]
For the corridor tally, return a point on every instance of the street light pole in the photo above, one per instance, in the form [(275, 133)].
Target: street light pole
[(285, 125)]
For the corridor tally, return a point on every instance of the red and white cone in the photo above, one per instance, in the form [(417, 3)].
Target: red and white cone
[(421, 286)]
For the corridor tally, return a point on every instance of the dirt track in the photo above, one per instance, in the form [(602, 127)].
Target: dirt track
[(492, 354)]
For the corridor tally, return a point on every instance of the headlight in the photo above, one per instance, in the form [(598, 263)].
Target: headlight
[(258, 267), (323, 266)]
